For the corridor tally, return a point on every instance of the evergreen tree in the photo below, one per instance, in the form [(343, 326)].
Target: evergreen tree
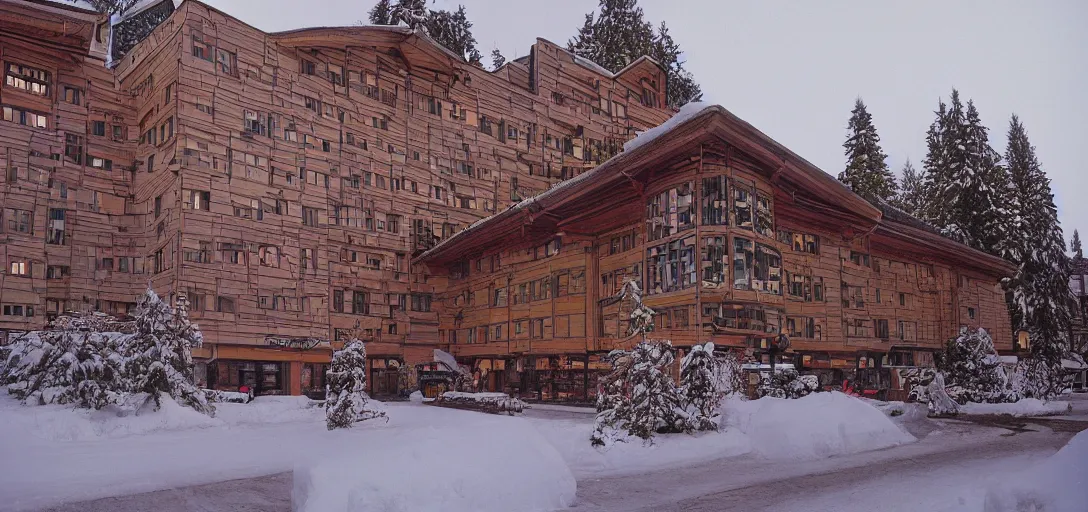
[(497, 60), (1078, 252), (346, 401), (972, 370), (620, 34), (911, 198), (111, 6), (381, 13), (452, 30), (965, 184), (655, 405), (866, 172), (158, 356), (73, 362), (700, 390), (1039, 291)]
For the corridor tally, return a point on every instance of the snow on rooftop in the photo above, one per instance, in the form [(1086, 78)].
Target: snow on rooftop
[(686, 112), (592, 65)]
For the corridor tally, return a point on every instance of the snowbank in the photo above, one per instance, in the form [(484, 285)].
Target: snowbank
[(1054, 485), (67, 423), (267, 410), (815, 426), (1023, 407), (483, 463)]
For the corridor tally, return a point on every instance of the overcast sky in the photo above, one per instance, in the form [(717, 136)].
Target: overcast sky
[(793, 69)]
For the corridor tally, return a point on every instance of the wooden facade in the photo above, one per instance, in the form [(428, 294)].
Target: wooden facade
[(734, 239), (283, 181)]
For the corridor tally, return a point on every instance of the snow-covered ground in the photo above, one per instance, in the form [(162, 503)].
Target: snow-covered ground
[(1057, 483), (1021, 408), (54, 454)]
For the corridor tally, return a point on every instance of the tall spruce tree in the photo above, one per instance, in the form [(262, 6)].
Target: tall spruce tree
[(111, 6), (866, 171), (382, 13), (619, 34), (911, 197), (452, 30), (497, 60), (965, 184), (1039, 291), (1074, 245)]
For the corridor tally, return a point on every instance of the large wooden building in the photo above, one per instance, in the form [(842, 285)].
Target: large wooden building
[(305, 186), (734, 239), (284, 181)]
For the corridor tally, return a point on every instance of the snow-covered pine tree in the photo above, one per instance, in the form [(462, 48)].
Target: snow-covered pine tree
[(1075, 247), (381, 13), (866, 171), (66, 364), (1039, 291), (966, 186), (158, 356), (613, 400), (699, 386), (655, 402), (346, 401), (620, 34), (497, 60), (972, 370), (911, 197), (728, 375), (111, 6)]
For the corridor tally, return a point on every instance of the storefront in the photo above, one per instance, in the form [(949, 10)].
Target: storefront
[(490, 374), (263, 377), (386, 380), (313, 380)]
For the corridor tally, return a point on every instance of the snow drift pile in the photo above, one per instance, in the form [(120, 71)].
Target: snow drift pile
[(1056, 484), (813, 426), (423, 467)]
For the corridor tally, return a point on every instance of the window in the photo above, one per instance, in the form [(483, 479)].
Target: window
[(255, 122), (801, 327), (670, 212), (360, 303), (226, 61), (158, 206), (309, 216), (799, 286), (308, 261), (72, 94), (742, 316), (57, 272), (818, 289), (768, 270), (224, 304), (312, 104), (971, 313), (715, 261), (269, 255), (392, 223), (55, 229), (338, 301), (122, 265), (859, 258), (201, 255), (742, 205), (19, 268), (99, 163), (201, 50), (151, 164), (902, 299), (18, 310), (98, 128), (714, 201), (118, 132), (199, 200), (308, 67), (881, 329), (32, 80), (73, 147), (857, 328), (742, 264), (168, 94), (421, 302), (24, 117), (336, 74), (18, 221), (764, 217), (671, 266), (853, 296), (908, 331)]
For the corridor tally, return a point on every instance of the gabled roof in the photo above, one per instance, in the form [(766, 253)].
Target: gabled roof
[(609, 184)]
